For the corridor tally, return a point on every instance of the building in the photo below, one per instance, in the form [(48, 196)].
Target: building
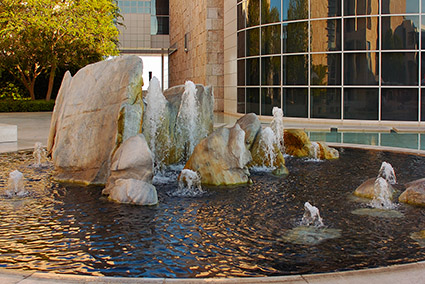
[(316, 59), (145, 32)]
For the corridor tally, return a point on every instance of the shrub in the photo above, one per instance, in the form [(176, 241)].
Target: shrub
[(26, 105)]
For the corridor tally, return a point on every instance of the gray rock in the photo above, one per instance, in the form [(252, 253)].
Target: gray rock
[(414, 193), (96, 110)]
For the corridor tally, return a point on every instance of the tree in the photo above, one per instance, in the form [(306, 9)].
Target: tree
[(39, 36)]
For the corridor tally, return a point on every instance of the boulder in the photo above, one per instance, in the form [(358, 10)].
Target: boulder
[(298, 144), (386, 174), (367, 189), (251, 125), (221, 158), (171, 143), (132, 173), (414, 193), (96, 110)]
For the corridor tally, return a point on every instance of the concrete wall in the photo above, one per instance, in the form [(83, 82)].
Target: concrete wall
[(202, 61)]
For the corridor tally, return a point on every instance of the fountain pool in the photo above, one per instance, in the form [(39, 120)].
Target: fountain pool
[(225, 232)]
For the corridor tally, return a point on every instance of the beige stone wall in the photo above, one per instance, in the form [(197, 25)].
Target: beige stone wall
[(202, 61)]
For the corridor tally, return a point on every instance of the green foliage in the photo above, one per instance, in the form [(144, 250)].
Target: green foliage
[(39, 36), (26, 105), (10, 91)]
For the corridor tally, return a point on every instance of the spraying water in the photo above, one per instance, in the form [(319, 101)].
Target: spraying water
[(268, 139), (189, 114), (316, 149), (153, 119), (311, 216), (16, 186), (382, 189), (277, 127), (39, 154), (189, 184)]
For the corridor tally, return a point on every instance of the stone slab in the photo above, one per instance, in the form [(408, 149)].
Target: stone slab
[(8, 133)]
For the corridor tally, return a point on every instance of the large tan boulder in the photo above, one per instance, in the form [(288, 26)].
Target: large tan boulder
[(96, 110), (132, 173), (298, 144), (414, 193), (221, 158)]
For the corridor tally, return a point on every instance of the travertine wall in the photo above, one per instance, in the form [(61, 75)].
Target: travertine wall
[(202, 61)]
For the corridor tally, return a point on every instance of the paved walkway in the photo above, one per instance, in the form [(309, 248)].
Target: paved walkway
[(34, 127)]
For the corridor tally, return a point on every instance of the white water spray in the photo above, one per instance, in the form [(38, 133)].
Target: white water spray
[(277, 126), (311, 216), (315, 150), (189, 184), (39, 154), (382, 188), (268, 139), (16, 186)]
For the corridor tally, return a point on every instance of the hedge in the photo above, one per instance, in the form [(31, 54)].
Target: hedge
[(26, 105)]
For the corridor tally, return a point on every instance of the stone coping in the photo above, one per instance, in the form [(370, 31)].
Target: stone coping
[(402, 273), (8, 133)]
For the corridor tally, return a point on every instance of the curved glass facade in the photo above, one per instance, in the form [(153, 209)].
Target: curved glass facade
[(333, 59)]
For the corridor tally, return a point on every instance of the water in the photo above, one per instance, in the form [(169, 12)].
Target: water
[(268, 140), (277, 126), (189, 184), (16, 184), (382, 187), (311, 216), (229, 232)]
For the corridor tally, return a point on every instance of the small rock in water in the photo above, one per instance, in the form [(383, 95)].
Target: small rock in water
[(308, 235)]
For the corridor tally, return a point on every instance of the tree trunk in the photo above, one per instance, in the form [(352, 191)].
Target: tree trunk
[(51, 81)]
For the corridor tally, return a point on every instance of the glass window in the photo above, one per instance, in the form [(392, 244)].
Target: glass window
[(295, 70), (270, 11), (240, 108), (295, 37), (325, 8), (399, 104), (399, 32), (361, 104), (253, 13), (241, 73), (252, 72), (295, 102), (326, 35), (325, 69), (400, 7), (253, 100), (361, 68), (423, 106), (241, 44), (361, 7), (241, 16), (423, 31), (162, 7), (326, 103), (294, 10), (270, 71), (361, 33), (270, 39), (253, 42), (270, 97), (399, 68)]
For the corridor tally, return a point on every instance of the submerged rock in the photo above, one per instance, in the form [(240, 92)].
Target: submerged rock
[(95, 111), (298, 144), (414, 193), (310, 235), (132, 173), (221, 158)]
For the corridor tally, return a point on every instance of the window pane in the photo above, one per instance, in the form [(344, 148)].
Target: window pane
[(295, 70), (241, 16), (400, 32), (400, 104), (356, 7), (423, 32), (423, 105), (361, 68), (270, 72), (400, 7), (241, 100), (399, 68), (295, 102), (325, 8), (361, 104), (162, 7), (253, 17), (252, 72), (361, 33), (241, 44), (241, 73), (326, 35), (270, 40), (326, 103), (270, 11), (325, 69), (295, 37), (270, 97), (295, 10), (253, 42), (253, 100)]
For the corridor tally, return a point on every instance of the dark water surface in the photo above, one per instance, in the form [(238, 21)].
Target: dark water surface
[(228, 232)]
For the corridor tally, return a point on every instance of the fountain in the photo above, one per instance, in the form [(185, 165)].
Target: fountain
[(311, 216), (189, 184), (16, 184), (268, 142), (39, 154), (277, 126)]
